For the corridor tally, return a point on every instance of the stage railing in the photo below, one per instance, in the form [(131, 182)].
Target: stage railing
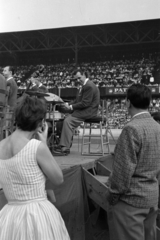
[(105, 92), (115, 96)]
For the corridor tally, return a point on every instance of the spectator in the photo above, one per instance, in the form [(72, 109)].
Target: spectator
[(8, 73), (133, 184)]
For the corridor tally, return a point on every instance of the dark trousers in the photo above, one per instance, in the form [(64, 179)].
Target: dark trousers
[(130, 223), (69, 124)]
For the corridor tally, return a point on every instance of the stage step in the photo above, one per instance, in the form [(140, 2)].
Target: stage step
[(96, 184), (102, 179)]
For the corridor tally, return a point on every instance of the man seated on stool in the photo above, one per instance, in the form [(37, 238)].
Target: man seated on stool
[(84, 107)]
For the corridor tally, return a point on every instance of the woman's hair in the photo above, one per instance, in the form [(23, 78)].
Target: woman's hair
[(139, 96), (29, 113)]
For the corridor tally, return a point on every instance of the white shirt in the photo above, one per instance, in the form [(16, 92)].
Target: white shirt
[(140, 113), (85, 81), (9, 78)]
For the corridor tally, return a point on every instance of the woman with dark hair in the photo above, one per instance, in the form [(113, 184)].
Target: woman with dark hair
[(25, 163)]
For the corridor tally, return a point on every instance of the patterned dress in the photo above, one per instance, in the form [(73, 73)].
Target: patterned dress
[(28, 214)]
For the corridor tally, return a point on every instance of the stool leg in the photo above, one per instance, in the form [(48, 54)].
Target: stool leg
[(106, 135), (101, 137), (90, 132), (78, 141), (110, 132), (83, 139)]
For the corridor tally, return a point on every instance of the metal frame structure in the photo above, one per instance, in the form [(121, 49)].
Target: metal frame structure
[(76, 38)]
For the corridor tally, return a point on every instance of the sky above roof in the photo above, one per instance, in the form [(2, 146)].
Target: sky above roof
[(22, 15)]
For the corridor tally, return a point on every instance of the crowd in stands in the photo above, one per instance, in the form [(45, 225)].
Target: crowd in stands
[(104, 74), (120, 73)]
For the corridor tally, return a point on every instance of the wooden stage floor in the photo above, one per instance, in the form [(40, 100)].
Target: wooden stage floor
[(75, 157)]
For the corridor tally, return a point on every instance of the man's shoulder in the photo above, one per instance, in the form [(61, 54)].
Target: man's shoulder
[(2, 82), (91, 84), (138, 125), (11, 82), (2, 78), (131, 127)]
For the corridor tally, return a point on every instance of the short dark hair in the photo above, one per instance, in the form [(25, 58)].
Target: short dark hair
[(139, 95), (11, 68), (29, 113), (82, 71)]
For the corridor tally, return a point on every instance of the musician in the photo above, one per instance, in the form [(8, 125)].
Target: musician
[(37, 85), (84, 107), (8, 73)]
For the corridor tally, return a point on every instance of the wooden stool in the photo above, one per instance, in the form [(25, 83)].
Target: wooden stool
[(104, 131), (103, 136)]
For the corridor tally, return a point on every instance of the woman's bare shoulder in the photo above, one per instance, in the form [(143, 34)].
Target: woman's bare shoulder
[(4, 142), (11, 146), (4, 145)]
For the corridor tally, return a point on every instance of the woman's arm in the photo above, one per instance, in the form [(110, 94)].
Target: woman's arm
[(46, 160)]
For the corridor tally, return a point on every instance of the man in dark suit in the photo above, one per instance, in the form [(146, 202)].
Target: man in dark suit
[(84, 107), (8, 73)]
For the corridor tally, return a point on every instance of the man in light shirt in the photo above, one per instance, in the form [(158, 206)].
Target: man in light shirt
[(8, 73)]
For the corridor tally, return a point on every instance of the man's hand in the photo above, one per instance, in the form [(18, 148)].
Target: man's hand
[(67, 106)]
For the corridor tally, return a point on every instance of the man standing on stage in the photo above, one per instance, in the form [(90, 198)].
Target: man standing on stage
[(133, 184), (84, 107), (8, 73)]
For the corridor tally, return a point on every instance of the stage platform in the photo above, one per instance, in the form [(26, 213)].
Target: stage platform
[(75, 157)]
